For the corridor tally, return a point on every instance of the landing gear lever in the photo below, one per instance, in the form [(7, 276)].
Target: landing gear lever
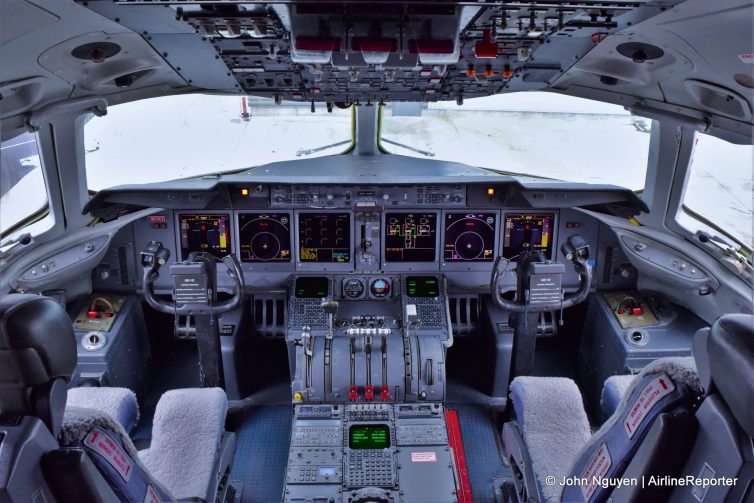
[(195, 294)]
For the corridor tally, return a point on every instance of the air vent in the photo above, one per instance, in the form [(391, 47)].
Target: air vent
[(464, 313), (96, 52), (640, 52), (269, 315)]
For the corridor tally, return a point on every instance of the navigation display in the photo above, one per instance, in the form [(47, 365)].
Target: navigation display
[(410, 237), (469, 237), (528, 231), (264, 237), (324, 237), (369, 436), (205, 233)]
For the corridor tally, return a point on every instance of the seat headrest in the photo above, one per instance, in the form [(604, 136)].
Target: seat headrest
[(731, 359), (37, 350)]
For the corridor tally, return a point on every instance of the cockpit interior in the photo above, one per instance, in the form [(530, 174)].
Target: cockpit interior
[(376, 252)]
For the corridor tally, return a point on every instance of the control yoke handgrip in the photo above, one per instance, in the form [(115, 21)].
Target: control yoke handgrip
[(153, 257), (576, 251)]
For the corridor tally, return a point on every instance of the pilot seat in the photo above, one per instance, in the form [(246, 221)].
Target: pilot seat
[(81, 451), (659, 424)]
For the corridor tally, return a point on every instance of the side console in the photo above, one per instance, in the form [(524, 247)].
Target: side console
[(377, 452), (356, 338), (625, 330), (113, 348)]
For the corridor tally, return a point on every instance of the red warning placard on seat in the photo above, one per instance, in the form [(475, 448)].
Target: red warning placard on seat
[(105, 446), (652, 393)]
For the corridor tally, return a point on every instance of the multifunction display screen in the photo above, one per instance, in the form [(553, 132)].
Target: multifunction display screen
[(369, 436), (264, 237), (205, 233), (324, 237), (470, 237), (311, 287), (410, 237), (527, 232), (422, 286)]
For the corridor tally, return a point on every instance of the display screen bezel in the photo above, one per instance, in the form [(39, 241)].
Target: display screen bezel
[(259, 214), (411, 266), (324, 266), (466, 265), (369, 444), (179, 216), (553, 232)]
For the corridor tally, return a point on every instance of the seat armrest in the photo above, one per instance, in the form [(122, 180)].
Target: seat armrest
[(118, 403)]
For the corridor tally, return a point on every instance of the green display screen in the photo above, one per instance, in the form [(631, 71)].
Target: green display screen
[(311, 287), (369, 436), (422, 286)]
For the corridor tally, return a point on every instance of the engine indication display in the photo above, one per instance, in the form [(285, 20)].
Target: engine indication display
[(410, 237), (205, 233), (264, 237), (528, 232), (324, 237), (470, 237)]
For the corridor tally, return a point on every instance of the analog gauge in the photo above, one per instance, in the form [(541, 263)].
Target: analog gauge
[(353, 288), (380, 288)]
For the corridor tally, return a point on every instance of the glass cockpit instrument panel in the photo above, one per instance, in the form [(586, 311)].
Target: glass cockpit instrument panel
[(470, 237), (410, 237), (324, 237), (528, 232), (264, 237), (205, 233)]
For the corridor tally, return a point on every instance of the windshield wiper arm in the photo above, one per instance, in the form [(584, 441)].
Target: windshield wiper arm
[(418, 151), (309, 151)]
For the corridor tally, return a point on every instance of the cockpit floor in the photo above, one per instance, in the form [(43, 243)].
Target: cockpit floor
[(262, 453), (481, 446)]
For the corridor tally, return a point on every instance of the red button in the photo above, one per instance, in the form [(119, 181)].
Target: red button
[(109, 315), (92, 314), (353, 393), (636, 311), (621, 311), (369, 392)]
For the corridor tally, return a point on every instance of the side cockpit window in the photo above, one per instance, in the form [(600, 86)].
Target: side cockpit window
[(24, 202)]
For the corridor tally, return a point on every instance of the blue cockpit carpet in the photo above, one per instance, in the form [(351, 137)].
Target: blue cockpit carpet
[(262, 453), (481, 449)]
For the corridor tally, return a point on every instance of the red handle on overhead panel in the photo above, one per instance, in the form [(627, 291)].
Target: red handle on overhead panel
[(353, 393), (321, 44), (486, 48), (430, 46), (369, 392), (374, 44)]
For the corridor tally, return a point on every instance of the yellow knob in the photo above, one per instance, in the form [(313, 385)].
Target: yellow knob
[(297, 397)]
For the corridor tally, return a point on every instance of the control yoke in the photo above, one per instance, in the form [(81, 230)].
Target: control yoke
[(539, 282), (195, 295)]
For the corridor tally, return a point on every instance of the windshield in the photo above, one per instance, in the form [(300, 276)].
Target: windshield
[(174, 137), (541, 134)]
